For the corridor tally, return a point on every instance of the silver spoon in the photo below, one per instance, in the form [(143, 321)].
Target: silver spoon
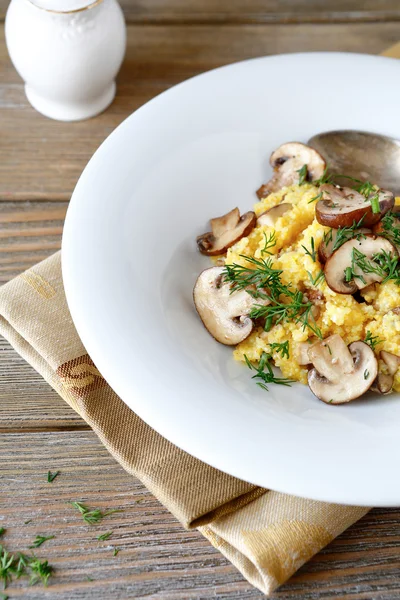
[(365, 156)]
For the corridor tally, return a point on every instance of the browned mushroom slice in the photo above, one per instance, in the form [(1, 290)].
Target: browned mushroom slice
[(342, 207), (287, 161), (341, 373), (270, 217), (326, 247), (226, 231), (336, 267), (224, 313)]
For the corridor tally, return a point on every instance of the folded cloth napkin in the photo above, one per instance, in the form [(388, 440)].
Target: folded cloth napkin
[(265, 534)]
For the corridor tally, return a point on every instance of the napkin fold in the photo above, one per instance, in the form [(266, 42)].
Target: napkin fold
[(265, 534)]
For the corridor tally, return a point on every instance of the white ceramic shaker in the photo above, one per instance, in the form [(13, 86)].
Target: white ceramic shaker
[(68, 52)]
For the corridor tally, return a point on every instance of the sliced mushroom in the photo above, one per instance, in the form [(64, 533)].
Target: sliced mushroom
[(341, 373), (325, 249), (270, 217), (226, 231), (337, 265), (383, 384), (301, 353), (342, 207), (287, 161), (391, 361), (224, 313)]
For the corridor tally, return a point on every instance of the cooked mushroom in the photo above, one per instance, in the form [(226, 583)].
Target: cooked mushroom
[(287, 161), (325, 249), (336, 267), (226, 231), (383, 383), (392, 361), (342, 207), (224, 313), (341, 373), (270, 217), (301, 353)]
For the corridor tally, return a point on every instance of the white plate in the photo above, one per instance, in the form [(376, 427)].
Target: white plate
[(130, 262)]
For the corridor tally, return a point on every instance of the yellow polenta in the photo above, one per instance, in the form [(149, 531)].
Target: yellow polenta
[(338, 313)]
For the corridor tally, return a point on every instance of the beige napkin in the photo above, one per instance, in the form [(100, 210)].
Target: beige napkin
[(266, 535)]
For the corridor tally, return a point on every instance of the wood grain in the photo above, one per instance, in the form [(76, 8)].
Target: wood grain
[(157, 558), (42, 159), (253, 11)]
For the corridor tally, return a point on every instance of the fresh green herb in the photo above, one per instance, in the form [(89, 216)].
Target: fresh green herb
[(344, 234), (104, 536), (270, 242), (116, 550), (51, 476), (28, 521), (348, 274), (92, 516), (312, 253), (40, 570), (267, 376), (262, 276), (7, 566), (372, 340), (383, 264), (391, 228), (22, 564), (41, 539), (2, 531), (89, 578), (375, 204), (317, 197), (331, 400), (329, 349), (366, 374), (282, 348), (302, 174), (326, 177), (320, 276)]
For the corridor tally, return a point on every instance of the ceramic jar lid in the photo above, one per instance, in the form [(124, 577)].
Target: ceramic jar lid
[(64, 6)]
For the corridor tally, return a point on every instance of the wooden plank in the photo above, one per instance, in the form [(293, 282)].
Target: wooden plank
[(42, 159), (26, 401), (157, 558), (253, 11), (29, 232)]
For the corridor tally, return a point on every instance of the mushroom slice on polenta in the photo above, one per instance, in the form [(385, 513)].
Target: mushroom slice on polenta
[(358, 263), (341, 373), (225, 313), (288, 161), (226, 231), (270, 217)]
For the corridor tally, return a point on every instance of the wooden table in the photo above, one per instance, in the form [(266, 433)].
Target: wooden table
[(40, 161)]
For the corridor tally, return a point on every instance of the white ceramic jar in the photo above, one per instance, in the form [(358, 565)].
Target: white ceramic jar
[(68, 52)]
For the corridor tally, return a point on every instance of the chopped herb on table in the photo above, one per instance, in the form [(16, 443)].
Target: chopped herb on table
[(40, 539), (51, 476), (104, 536), (92, 516)]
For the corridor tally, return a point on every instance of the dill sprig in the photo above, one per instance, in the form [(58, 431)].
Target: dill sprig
[(344, 234), (391, 228), (92, 516), (320, 276), (262, 276), (281, 348), (311, 253), (7, 566), (104, 536), (266, 376), (51, 476), (40, 539), (326, 177), (270, 242), (383, 264), (303, 173), (372, 340), (40, 570), (116, 550)]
